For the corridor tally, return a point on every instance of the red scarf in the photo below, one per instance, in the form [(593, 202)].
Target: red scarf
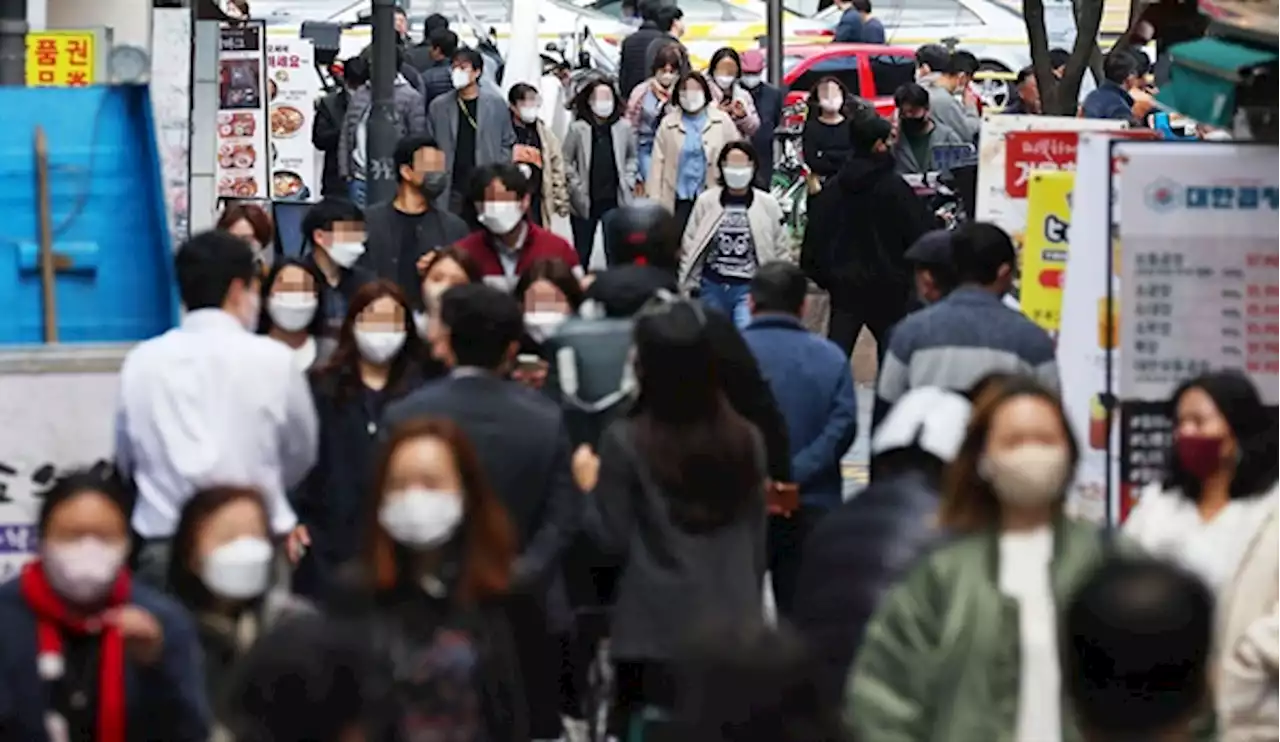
[(53, 619)]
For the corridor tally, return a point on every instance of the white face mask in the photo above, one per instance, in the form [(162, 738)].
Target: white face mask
[(831, 105), (82, 571), (460, 78), (725, 81), (751, 81), (238, 570), (379, 346), (500, 217), (542, 325), (602, 108), (693, 100), (738, 177), (345, 254), (1030, 475), (421, 518), (666, 79), (528, 114), (292, 310)]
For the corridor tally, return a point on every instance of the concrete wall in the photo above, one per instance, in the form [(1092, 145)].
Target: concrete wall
[(130, 20)]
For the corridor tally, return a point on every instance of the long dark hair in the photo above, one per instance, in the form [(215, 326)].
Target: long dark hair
[(555, 272), (485, 545), (848, 109), (343, 367), (706, 457), (582, 102), (1252, 424), (265, 323), (186, 585)]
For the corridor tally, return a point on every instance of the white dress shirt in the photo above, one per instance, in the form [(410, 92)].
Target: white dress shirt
[(211, 405)]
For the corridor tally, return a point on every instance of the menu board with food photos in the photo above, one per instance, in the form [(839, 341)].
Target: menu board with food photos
[(292, 88), (242, 112)]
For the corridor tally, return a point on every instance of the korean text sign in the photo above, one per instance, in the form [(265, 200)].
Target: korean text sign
[(64, 59), (1044, 253)]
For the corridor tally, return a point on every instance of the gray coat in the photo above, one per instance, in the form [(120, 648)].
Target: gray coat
[(410, 119), (577, 164), (495, 135), (673, 581), (950, 112)]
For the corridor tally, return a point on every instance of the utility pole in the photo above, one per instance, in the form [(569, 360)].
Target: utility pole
[(13, 42), (773, 23), (380, 170)]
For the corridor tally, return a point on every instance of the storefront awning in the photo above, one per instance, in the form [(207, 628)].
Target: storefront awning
[(1204, 78)]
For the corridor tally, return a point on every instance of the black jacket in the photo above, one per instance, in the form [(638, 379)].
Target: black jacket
[(860, 225), (768, 99), (633, 66), (436, 229), (326, 133), (852, 558), (436, 81)]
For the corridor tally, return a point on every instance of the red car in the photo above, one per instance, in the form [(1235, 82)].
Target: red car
[(872, 71)]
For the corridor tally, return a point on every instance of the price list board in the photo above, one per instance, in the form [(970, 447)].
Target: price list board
[(1199, 265)]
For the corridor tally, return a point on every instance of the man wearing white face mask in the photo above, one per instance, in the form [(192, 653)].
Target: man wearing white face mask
[(210, 404), (470, 124), (732, 231), (334, 231), (505, 241), (538, 155)]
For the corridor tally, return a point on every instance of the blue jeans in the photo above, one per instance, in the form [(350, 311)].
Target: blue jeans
[(728, 298), (356, 191)]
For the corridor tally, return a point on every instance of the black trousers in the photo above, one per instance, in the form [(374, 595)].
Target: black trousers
[(785, 544), (683, 210), (851, 310), (540, 654)]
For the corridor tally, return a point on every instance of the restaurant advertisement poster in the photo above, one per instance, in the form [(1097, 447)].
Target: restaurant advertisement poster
[(243, 148), (1043, 260), (292, 89)]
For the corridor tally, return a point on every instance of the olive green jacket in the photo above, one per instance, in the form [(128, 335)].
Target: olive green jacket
[(940, 659)]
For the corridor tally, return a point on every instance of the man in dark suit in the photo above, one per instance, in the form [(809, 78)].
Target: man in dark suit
[(523, 445), (768, 99), (631, 64)]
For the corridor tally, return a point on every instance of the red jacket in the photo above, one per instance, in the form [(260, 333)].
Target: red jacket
[(538, 243)]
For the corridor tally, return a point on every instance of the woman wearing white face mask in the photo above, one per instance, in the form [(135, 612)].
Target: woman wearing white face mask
[(537, 152), (440, 270), (550, 295), (600, 157), (291, 300), (221, 571), (504, 242), (376, 363), (966, 646), (90, 654), (686, 150), (732, 98), (732, 230), (649, 102), (827, 141), (435, 572)]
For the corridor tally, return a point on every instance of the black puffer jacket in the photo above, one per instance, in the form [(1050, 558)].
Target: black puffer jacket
[(860, 225), (852, 558), (633, 67)]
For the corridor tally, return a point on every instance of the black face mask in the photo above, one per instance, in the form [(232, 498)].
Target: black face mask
[(912, 126), (433, 183)]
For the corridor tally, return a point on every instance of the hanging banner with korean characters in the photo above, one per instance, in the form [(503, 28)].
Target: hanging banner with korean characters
[(1085, 336), (1044, 256), (292, 88), (1010, 148), (60, 420), (242, 112), (1201, 288), (62, 59)]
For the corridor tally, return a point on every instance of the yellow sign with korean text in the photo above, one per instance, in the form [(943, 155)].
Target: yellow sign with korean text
[(61, 59), (1044, 252)]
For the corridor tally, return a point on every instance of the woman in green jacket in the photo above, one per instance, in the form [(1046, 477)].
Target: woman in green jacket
[(965, 648)]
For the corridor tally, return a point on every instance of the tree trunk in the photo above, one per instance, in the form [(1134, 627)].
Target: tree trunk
[(1059, 97)]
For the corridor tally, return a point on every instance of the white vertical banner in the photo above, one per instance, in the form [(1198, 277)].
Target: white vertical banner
[(523, 60), (171, 103)]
